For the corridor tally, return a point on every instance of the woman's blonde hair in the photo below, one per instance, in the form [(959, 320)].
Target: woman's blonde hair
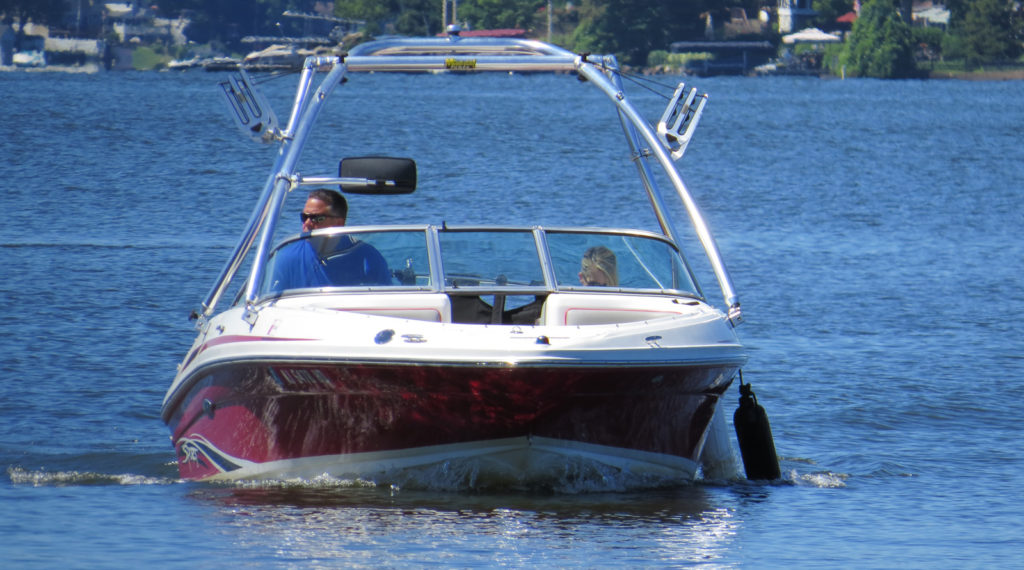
[(602, 258)]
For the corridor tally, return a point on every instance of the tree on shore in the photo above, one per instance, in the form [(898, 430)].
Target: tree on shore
[(228, 21), (407, 17), (633, 28), (494, 14), (988, 32), (829, 10), (880, 44)]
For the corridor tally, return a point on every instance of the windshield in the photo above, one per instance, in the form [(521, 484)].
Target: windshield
[(493, 258), (527, 261), (589, 259), (357, 259)]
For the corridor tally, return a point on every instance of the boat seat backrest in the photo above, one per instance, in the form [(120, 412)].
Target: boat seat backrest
[(572, 309), (433, 307)]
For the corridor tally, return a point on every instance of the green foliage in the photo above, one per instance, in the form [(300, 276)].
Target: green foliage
[(372, 11), (957, 11), (633, 28), (591, 35), (829, 10), (831, 58), (931, 36), (981, 32), (953, 47), (673, 61), (988, 33), (145, 59), (638, 28), (408, 17), (423, 17), (880, 44), (495, 14), (928, 42), (659, 58)]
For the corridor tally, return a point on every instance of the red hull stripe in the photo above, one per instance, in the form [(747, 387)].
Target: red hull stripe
[(227, 339), (231, 338)]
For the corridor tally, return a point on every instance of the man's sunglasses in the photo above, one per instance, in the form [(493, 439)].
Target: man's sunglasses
[(316, 218)]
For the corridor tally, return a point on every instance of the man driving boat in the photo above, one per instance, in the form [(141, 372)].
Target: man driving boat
[(330, 261)]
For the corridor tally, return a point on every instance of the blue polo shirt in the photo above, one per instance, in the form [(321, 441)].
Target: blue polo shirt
[(346, 263)]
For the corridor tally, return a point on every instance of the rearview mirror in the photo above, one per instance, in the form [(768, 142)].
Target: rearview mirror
[(377, 175)]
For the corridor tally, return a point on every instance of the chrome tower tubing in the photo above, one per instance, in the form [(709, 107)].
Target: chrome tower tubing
[(643, 166), (301, 123), (454, 53), (301, 99), (454, 44), (594, 74), (457, 62), (259, 213)]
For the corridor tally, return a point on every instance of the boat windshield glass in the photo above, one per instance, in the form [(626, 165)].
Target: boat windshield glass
[(490, 259), (474, 259), (352, 259), (590, 259)]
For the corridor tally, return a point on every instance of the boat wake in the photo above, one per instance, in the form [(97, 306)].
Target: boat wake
[(574, 477), (571, 477), (40, 478), (822, 480)]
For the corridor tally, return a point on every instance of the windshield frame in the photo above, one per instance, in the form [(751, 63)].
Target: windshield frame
[(553, 270)]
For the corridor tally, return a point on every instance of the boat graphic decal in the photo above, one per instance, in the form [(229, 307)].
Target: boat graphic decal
[(197, 449), (300, 378)]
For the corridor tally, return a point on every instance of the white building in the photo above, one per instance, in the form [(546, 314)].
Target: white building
[(794, 15)]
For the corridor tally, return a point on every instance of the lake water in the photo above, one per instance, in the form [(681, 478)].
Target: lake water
[(872, 229)]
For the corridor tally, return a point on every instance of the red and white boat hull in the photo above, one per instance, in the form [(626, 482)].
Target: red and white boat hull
[(255, 406)]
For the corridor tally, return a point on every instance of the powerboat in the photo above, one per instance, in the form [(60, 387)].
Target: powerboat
[(30, 58), (280, 57), (479, 357)]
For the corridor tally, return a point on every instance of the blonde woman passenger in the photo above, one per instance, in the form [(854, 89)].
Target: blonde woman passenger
[(599, 268)]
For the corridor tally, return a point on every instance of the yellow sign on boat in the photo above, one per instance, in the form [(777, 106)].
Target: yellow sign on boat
[(452, 63)]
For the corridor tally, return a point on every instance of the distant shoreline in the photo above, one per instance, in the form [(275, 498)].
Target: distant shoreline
[(88, 68), (994, 75), (997, 75)]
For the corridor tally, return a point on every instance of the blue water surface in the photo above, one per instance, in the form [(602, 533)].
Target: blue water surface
[(872, 229)]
